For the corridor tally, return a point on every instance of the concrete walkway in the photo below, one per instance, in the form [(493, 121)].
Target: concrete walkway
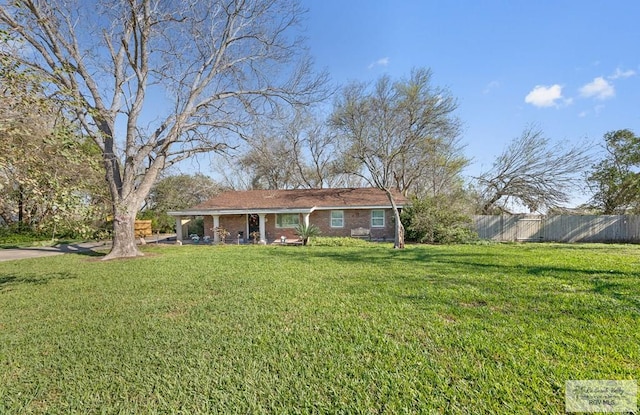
[(84, 248)]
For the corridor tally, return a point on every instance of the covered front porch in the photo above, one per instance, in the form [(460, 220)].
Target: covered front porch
[(244, 226)]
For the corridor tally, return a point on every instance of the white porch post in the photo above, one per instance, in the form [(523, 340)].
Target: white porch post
[(178, 228), (263, 232), (305, 218), (216, 225)]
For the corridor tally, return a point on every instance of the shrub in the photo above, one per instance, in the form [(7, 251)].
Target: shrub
[(196, 226), (221, 233), (20, 234), (305, 232), (437, 220), (160, 221)]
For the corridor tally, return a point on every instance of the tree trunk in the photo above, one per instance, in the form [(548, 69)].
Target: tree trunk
[(20, 205), (398, 240), (486, 208), (124, 238)]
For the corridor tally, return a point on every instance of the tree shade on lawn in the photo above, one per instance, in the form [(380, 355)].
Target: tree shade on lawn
[(352, 329)]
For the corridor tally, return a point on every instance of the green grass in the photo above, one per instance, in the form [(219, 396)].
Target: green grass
[(28, 242), (252, 329)]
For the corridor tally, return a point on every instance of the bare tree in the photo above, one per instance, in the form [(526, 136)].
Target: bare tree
[(314, 147), (298, 151), (390, 131), (154, 82), (232, 175), (533, 172), (271, 163)]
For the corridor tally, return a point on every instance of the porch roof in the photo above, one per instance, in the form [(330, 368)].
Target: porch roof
[(292, 201)]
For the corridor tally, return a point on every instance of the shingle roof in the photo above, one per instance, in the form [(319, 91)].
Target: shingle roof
[(300, 199)]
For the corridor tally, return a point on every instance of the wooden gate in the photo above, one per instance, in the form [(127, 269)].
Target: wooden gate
[(529, 229)]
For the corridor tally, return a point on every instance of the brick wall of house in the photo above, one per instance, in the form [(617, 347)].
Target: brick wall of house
[(232, 223), (274, 233), (322, 219), (353, 219)]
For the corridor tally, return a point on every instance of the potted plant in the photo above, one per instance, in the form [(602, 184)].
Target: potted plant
[(307, 231), (222, 234), (255, 235)]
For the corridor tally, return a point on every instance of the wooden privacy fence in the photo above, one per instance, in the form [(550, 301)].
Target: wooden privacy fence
[(142, 228), (559, 228)]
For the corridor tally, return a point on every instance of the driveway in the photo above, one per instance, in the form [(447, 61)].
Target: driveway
[(84, 248)]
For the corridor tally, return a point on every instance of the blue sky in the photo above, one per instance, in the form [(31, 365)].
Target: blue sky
[(570, 67)]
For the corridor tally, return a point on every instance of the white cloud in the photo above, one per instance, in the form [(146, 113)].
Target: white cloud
[(545, 96), (595, 111), (380, 62), (619, 73), (599, 88), (491, 86)]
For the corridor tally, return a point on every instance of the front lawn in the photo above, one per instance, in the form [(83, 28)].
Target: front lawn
[(254, 329)]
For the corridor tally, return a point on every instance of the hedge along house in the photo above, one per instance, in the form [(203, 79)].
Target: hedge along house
[(273, 214)]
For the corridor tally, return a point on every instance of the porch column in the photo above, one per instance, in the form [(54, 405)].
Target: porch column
[(305, 219), (178, 228), (216, 225), (263, 232)]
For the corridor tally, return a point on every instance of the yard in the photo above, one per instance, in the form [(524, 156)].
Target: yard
[(254, 329)]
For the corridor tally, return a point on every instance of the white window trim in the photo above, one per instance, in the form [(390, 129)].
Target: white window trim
[(278, 226), (331, 218), (383, 218)]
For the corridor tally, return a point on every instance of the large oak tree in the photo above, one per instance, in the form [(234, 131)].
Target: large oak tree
[(154, 82)]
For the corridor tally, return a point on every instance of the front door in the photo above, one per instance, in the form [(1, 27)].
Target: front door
[(254, 226)]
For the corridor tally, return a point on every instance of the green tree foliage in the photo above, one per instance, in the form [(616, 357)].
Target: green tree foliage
[(395, 133), (50, 176), (175, 193), (615, 180), (438, 219)]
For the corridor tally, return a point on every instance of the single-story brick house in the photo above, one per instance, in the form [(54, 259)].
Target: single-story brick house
[(275, 213)]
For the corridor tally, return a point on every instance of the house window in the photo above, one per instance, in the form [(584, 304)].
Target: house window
[(377, 218), (337, 218), (287, 220)]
